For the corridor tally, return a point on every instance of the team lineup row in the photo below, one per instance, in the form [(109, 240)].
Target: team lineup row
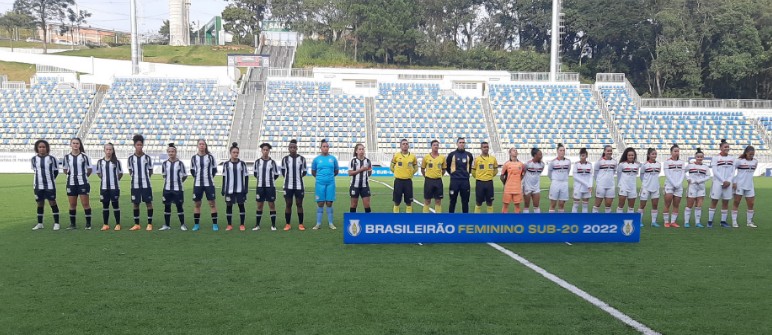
[(732, 178)]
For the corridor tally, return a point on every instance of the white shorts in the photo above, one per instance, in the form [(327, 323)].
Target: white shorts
[(605, 193), (630, 194), (646, 195), (696, 191), (675, 191), (581, 195), (718, 193), (559, 191), (531, 189), (746, 193)]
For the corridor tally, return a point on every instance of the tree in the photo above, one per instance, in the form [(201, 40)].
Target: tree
[(12, 20), (75, 20), (242, 18), (43, 12), (165, 32)]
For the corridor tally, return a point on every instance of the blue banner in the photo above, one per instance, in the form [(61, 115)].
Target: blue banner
[(382, 228)]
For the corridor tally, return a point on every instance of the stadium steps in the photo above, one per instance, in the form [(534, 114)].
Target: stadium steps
[(88, 119), (372, 136), (610, 120), (490, 123)]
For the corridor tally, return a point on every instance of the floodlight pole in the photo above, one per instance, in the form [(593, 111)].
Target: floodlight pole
[(555, 36), (134, 38)]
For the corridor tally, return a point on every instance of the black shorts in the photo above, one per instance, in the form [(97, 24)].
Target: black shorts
[(483, 191), (403, 188), (109, 195), (173, 197), (459, 186), (297, 194), (264, 194), (236, 198), (41, 195), (433, 188), (357, 192), (198, 193), (74, 191), (140, 195)]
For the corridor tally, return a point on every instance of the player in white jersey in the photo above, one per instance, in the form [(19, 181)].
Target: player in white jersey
[(604, 172), (45, 171), (674, 181), (743, 185), (582, 183), (723, 167), (77, 167), (234, 187), (698, 175), (532, 181), (558, 173), (203, 167), (110, 171), (650, 186), (627, 178)]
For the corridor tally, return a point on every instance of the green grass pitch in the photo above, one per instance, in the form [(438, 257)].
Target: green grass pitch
[(676, 281)]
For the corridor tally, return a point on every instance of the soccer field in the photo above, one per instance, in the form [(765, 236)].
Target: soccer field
[(675, 281)]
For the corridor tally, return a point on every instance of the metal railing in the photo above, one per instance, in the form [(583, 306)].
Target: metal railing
[(707, 103), (90, 116), (290, 73), (568, 77), (529, 76), (14, 85), (39, 68), (609, 77)]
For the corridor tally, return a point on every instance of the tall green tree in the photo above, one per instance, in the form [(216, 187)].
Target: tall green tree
[(242, 18), (44, 12)]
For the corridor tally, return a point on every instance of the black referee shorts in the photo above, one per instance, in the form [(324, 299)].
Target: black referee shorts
[(484, 191), (459, 186), (433, 188), (403, 188)]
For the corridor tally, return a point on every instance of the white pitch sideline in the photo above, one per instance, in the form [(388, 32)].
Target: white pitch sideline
[(564, 284)]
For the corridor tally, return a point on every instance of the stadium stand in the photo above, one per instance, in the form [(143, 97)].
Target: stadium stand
[(308, 111), (420, 114), (164, 110), (660, 128), (49, 109), (545, 115)]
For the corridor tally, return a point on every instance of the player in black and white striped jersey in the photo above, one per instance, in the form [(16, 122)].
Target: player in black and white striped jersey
[(77, 167), (203, 167), (141, 168), (293, 169), (266, 173), (45, 171), (234, 186), (110, 171), (360, 171), (174, 173)]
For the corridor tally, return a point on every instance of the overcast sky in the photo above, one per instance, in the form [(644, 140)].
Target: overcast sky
[(114, 14)]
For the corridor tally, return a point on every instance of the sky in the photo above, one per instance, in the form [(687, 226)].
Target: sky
[(114, 14)]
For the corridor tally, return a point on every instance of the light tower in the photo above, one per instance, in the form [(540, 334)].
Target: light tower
[(179, 22), (555, 41)]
